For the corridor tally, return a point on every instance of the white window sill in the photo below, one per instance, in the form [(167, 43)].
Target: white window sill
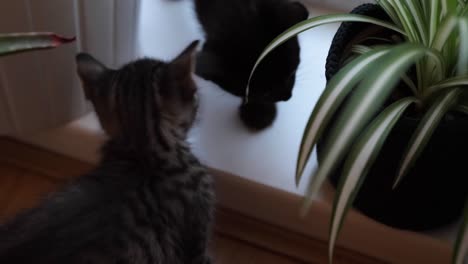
[(267, 157)]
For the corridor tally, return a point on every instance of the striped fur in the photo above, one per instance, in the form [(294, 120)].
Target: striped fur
[(149, 200)]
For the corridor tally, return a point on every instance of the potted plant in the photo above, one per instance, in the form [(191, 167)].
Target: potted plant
[(405, 207), (415, 78)]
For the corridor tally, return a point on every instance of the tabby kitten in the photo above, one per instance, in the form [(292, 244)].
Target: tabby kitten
[(236, 32), (149, 200)]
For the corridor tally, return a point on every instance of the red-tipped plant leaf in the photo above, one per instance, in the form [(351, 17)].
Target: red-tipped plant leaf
[(21, 42)]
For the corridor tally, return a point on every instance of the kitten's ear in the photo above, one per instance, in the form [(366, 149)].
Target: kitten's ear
[(90, 71), (180, 72), (184, 63), (297, 12)]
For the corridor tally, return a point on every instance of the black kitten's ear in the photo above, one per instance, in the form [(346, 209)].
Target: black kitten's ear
[(184, 63), (297, 12), (90, 71)]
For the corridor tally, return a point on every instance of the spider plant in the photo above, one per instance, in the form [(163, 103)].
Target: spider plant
[(21, 42), (435, 43)]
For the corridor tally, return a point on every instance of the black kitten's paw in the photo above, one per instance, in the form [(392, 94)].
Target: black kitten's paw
[(257, 116)]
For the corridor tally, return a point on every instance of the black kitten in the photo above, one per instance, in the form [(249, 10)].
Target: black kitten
[(236, 32), (149, 200)]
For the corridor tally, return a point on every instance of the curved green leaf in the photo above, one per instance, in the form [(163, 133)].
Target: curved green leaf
[(425, 129), (436, 66), (360, 49), (364, 103), (21, 42), (311, 23), (335, 92), (457, 81), (360, 159), (407, 80), (461, 244)]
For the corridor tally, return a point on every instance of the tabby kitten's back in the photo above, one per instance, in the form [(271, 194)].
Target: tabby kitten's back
[(149, 200)]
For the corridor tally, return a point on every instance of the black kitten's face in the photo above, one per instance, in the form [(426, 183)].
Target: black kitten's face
[(237, 33), (141, 95), (275, 76)]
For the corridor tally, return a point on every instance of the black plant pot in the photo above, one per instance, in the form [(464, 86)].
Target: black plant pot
[(435, 190)]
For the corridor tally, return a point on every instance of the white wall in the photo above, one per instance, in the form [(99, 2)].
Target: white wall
[(108, 29), (40, 90)]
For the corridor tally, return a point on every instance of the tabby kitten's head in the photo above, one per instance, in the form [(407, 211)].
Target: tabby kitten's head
[(143, 99)]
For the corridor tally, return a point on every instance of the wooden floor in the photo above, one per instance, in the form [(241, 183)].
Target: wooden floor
[(27, 173)]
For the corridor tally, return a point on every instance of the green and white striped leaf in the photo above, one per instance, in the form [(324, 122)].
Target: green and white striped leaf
[(419, 21), (434, 14), (332, 97), (458, 81), (388, 8), (358, 163), (425, 6), (447, 27), (461, 244), (21, 42), (360, 49), (364, 103), (311, 23), (462, 67), (406, 19), (425, 129)]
